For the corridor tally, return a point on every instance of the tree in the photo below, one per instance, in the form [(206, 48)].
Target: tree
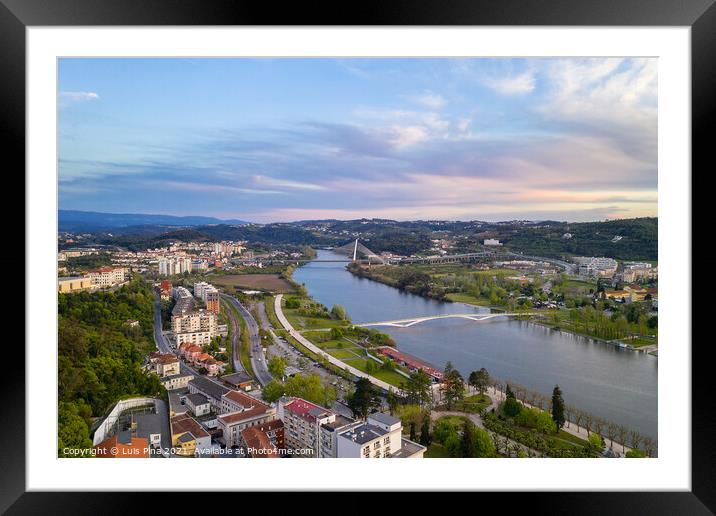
[(453, 385), (413, 433), (425, 437), (479, 380), (558, 407), (596, 444), (309, 387), (635, 454), (272, 391), (338, 312), (363, 399), (511, 407), (277, 367), (392, 400), (417, 388), (468, 446)]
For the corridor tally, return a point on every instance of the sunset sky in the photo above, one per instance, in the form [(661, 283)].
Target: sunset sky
[(289, 139)]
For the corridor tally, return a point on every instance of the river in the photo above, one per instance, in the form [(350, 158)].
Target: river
[(617, 384)]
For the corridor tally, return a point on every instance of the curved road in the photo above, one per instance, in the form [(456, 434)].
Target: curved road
[(258, 361)]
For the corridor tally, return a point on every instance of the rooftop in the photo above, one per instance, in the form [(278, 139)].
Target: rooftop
[(384, 418), (237, 417), (185, 423), (236, 379), (208, 387), (306, 409), (197, 399), (364, 433), (407, 449)]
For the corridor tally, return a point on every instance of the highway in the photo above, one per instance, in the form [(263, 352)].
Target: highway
[(256, 354)]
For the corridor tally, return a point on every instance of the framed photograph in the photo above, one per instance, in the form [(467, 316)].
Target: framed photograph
[(427, 232)]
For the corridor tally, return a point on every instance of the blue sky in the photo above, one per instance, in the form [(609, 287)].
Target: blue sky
[(290, 139)]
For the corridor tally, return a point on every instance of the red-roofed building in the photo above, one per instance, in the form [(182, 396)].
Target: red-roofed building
[(242, 411), (411, 362), (116, 447), (258, 444), (302, 422)]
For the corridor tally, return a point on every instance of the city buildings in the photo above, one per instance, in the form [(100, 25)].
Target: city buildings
[(302, 422), (176, 381), (600, 267), (188, 437), (122, 446), (173, 265), (251, 412), (212, 390), (379, 437), (257, 444), (107, 277), (209, 295), (73, 284), (197, 327), (166, 364)]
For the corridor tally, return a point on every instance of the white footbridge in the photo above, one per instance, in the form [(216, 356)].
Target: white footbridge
[(405, 323)]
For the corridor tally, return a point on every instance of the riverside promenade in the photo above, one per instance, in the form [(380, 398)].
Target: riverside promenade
[(318, 351)]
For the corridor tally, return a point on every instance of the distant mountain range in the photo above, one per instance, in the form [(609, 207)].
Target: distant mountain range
[(75, 220)]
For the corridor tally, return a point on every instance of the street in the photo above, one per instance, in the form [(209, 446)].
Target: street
[(256, 355)]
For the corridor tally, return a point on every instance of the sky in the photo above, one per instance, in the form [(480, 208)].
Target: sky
[(275, 140)]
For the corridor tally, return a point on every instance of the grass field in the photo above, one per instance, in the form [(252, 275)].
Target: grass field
[(344, 353), (436, 451), (303, 322), (468, 299), (268, 282), (390, 377)]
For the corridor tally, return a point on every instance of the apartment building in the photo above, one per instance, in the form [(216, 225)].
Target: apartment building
[(251, 412), (209, 295), (302, 422), (212, 390), (107, 276), (194, 327), (600, 267), (170, 266), (379, 437), (200, 320)]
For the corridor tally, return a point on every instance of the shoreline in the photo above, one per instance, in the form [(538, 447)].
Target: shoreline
[(614, 343)]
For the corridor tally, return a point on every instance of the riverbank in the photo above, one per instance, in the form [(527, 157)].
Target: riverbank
[(471, 301)]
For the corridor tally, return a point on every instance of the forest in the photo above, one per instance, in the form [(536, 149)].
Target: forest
[(100, 356)]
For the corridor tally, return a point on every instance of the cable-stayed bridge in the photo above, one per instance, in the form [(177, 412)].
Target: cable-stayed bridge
[(355, 251)]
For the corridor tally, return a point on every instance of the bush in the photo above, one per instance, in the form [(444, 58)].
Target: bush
[(511, 407)]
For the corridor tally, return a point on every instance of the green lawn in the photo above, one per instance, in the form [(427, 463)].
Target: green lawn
[(467, 299), (436, 451), (302, 322), (474, 404), (390, 377), (343, 353)]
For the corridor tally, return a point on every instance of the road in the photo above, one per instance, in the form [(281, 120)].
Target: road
[(256, 354), (318, 351)]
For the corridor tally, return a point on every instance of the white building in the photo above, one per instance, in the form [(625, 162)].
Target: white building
[(193, 322), (491, 241), (173, 265), (107, 277), (596, 266), (198, 404), (379, 437)]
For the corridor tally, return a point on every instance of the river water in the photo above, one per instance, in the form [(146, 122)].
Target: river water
[(617, 384)]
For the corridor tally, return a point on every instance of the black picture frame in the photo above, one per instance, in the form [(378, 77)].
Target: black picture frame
[(700, 15)]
